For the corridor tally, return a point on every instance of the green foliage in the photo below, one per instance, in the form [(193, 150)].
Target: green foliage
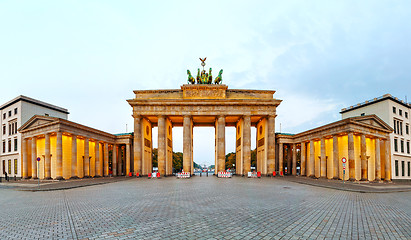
[(178, 161), (230, 160), (211, 167), (155, 157), (254, 158)]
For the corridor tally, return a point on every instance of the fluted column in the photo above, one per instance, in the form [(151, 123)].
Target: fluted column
[(351, 157), (187, 151), (364, 162), (114, 162), (294, 171), (34, 158), (86, 160), (336, 163), (270, 144), (47, 157), (377, 160), (128, 158), (74, 156), (312, 159), (120, 160), (162, 151), (137, 145), (303, 159), (280, 158), (59, 156), (247, 144), (289, 159), (25, 172), (221, 143), (387, 160), (97, 159), (323, 159), (105, 166)]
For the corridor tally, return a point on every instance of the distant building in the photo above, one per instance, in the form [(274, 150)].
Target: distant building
[(395, 113), (12, 115)]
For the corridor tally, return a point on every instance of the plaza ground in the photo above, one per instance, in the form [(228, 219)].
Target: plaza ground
[(204, 208)]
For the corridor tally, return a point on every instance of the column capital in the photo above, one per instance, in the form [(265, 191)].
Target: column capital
[(136, 115)]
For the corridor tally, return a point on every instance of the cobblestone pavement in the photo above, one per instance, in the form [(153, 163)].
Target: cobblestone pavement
[(204, 208)]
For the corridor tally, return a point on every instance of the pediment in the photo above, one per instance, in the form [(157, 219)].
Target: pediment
[(372, 120), (36, 121)]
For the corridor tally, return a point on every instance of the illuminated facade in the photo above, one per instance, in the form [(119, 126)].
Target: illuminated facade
[(12, 115), (364, 141), (395, 113)]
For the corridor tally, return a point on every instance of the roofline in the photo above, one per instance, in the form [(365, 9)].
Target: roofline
[(375, 100), (34, 101)]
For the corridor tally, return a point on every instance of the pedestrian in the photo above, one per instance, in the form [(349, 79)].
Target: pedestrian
[(7, 179)]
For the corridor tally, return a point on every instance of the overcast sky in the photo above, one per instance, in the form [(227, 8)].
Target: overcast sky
[(320, 56)]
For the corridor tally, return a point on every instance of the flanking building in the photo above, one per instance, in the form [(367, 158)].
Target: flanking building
[(13, 114), (396, 113)]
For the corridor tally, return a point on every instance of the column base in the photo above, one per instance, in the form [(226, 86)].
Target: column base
[(364, 180), (59, 178), (335, 178), (352, 179), (74, 177)]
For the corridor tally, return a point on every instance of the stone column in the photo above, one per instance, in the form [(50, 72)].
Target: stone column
[(86, 160), (59, 157), (246, 148), (323, 166), (294, 171), (137, 144), (25, 172), (97, 159), (80, 165), (162, 151), (47, 157), (34, 158), (336, 161), (377, 160), (280, 158), (387, 160), (187, 151), (114, 162), (120, 159), (270, 144), (289, 159), (312, 159), (74, 156), (127, 159), (351, 156), (364, 162), (303, 159), (105, 167), (221, 143)]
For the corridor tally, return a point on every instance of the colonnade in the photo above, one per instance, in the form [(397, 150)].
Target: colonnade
[(66, 155), (143, 138), (368, 157)]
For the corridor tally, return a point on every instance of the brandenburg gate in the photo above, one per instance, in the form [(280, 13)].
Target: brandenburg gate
[(204, 104)]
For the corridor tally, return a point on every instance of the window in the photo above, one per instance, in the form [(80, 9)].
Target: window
[(409, 169), (362, 114), (9, 144), (15, 126), (396, 168), (9, 129), (406, 114), (408, 147), (395, 126), (4, 115), (400, 112), (394, 110), (46, 114), (9, 166), (396, 145), (4, 146), (400, 127), (12, 128), (4, 129), (15, 166), (15, 144), (15, 111), (402, 145), (407, 129), (402, 168), (10, 113)]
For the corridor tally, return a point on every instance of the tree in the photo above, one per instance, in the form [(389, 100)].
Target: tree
[(178, 161), (230, 160), (254, 158), (155, 157)]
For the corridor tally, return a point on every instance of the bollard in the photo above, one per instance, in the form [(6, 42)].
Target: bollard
[(137, 174), (274, 174)]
